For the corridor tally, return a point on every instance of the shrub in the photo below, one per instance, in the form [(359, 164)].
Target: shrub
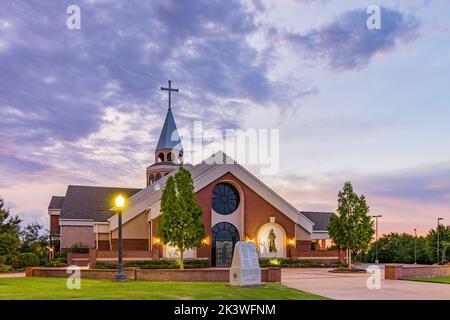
[(156, 264), (56, 263), (104, 265), (24, 260), (79, 248), (290, 263), (62, 257), (168, 264), (2, 260), (5, 268)]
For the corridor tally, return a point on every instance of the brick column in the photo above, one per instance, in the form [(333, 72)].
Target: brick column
[(393, 272), (69, 258), (274, 274), (92, 258)]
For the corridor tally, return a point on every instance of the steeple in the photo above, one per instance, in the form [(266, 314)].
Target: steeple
[(169, 150), (169, 138)]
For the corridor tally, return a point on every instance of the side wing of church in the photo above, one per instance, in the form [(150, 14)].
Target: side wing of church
[(236, 206)]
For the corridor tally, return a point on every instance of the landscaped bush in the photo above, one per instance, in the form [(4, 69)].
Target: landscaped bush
[(168, 264), (156, 264), (290, 263), (104, 265), (78, 248), (62, 257), (24, 260), (2, 260), (56, 263), (5, 268)]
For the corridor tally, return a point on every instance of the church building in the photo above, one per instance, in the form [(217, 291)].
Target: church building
[(236, 205)]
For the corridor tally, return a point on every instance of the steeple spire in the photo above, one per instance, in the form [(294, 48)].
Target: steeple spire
[(169, 151), (169, 138)]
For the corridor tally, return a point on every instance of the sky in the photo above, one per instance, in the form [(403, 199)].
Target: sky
[(83, 106)]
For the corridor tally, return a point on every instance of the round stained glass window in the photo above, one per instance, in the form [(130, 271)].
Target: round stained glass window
[(225, 198)]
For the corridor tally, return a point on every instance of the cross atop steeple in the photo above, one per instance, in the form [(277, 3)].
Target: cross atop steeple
[(170, 92)]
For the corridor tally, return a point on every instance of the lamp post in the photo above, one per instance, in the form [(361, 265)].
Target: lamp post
[(376, 236), (120, 275), (437, 247), (415, 246)]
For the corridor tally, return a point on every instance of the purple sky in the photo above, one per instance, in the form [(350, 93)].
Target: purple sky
[(369, 106)]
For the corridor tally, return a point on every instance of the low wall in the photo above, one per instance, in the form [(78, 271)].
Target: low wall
[(191, 275), (396, 272)]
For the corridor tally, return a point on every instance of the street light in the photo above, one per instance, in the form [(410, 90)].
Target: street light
[(415, 246), (120, 275), (376, 236), (437, 247)]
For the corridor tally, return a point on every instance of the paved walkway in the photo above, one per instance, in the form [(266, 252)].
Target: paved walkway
[(12, 275), (354, 286)]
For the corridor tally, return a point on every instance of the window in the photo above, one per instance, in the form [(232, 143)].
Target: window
[(151, 178), (169, 156), (225, 198), (161, 156), (158, 176)]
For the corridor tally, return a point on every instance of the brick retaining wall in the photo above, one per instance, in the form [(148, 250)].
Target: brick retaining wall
[(395, 272), (194, 275)]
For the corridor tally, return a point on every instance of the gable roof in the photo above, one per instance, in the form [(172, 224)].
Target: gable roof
[(203, 174), (56, 202), (169, 138), (321, 219), (88, 202)]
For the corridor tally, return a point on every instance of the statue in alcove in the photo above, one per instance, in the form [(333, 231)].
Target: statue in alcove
[(271, 238)]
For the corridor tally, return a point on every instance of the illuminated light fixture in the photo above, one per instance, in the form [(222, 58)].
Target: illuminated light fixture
[(120, 201), (291, 242)]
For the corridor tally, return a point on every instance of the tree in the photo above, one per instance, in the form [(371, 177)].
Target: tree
[(9, 244), (399, 248), (9, 231), (35, 239), (444, 248), (8, 223), (180, 223), (351, 228)]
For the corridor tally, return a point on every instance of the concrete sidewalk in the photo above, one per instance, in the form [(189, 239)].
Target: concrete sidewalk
[(353, 286), (12, 275)]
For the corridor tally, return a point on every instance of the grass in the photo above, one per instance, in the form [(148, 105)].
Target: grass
[(436, 279), (55, 289)]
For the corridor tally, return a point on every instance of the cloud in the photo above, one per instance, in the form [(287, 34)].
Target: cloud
[(406, 198), (347, 44)]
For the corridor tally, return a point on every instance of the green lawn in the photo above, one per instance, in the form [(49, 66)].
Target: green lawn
[(437, 279), (55, 288)]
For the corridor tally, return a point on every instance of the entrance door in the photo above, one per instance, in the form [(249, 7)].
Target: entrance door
[(224, 253), (224, 237)]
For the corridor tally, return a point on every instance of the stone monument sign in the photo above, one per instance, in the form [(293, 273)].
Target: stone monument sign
[(245, 269)]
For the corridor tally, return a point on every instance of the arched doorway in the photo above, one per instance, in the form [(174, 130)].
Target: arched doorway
[(224, 237)]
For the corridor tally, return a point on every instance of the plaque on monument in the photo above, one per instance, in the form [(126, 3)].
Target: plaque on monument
[(245, 269)]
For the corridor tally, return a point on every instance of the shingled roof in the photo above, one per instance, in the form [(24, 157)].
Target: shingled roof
[(85, 202), (321, 219), (56, 202)]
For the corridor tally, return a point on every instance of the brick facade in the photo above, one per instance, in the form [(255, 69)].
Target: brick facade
[(257, 212)]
